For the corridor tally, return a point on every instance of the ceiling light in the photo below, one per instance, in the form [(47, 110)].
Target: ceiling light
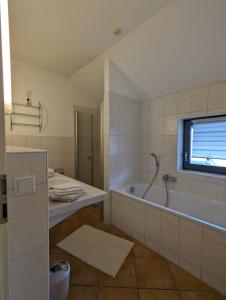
[(117, 31)]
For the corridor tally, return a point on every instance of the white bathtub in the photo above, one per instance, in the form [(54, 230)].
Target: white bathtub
[(191, 231), (198, 208)]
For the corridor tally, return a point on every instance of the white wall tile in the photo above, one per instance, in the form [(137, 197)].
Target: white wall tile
[(214, 255), (214, 191), (152, 229), (169, 240), (28, 226), (116, 210), (114, 126), (196, 187), (169, 217), (184, 102), (199, 99), (114, 104), (191, 248), (215, 235), (171, 125), (217, 95), (29, 276), (191, 226), (26, 164), (171, 104), (137, 222), (217, 284)]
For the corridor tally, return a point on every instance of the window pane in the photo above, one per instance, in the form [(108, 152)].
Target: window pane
[(208, 142)]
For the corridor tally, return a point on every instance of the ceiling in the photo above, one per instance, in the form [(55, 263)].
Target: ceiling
[(182, 46), (63, 36)]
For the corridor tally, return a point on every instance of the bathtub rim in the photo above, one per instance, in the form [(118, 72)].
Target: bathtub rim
[(122, 191)]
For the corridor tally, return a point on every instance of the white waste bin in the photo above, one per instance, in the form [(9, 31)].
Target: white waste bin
[(59, 277)]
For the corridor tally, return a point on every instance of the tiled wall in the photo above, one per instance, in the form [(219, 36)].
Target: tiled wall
[(199, 249), (159, 129), (60, 149), (28, 227), (122, 139)]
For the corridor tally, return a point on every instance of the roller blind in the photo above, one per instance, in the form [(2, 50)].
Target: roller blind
[(208, 139)]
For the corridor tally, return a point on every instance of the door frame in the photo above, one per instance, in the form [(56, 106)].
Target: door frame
[(5, 97), (96, 116)]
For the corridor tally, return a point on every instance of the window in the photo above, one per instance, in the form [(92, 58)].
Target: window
[(204, 146)]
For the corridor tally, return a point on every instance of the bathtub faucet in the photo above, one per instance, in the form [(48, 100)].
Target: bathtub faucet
[(168, 179)]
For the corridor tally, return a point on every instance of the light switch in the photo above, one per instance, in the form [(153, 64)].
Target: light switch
[(24, 185)]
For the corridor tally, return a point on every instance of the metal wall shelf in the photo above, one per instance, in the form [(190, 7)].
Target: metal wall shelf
[(28, 113)]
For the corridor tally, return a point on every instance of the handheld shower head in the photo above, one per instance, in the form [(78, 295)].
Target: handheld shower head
[(157, 163), (156, 159)]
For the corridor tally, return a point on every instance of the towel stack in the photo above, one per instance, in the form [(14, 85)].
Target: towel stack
[(65, 192), (51, 173)]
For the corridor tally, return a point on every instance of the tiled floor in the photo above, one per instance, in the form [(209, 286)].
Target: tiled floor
[(145, 275)]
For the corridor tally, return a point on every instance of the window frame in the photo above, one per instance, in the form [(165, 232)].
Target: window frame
[(187, 123)]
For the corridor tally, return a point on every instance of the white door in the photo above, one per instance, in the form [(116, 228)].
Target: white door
[(5, 97)]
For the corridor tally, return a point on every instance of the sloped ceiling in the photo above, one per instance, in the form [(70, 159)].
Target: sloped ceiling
[(64, 35), (180, 47)]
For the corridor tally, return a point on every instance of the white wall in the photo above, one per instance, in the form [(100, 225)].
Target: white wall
[(57, 93), (118, 82), (91, 79)]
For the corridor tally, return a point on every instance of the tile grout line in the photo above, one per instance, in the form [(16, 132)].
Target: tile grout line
[(174, 280), (137, 288), (98, 292)]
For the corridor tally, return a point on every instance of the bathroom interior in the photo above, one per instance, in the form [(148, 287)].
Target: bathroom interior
[(113, 150)]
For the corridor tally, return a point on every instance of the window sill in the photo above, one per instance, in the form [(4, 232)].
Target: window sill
[(220, 176)]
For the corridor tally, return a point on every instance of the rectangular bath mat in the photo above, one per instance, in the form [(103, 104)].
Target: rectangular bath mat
[(97, 248)]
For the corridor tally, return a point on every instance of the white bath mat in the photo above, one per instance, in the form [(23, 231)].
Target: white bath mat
[(97, 248)]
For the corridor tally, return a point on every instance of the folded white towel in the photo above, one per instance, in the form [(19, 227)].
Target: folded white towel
[(65, 197), (51, 172), (65, 192), (66, 186)]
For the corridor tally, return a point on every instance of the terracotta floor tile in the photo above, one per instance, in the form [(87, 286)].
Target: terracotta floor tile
[(200, 296), (153, 273), (126, 276), (81, 273), (186, 281), (59, 254), (140, 250), (83, 293), (158, 295), (151, 269), (118, 294)]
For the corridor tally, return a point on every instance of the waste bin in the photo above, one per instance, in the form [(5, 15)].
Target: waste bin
[(59, 277)]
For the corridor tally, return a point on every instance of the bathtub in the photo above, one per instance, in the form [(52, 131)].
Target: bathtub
[(190, 232), (196, 208)]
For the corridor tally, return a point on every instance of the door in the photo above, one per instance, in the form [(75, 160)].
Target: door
[(84, 146), (5, 97)]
